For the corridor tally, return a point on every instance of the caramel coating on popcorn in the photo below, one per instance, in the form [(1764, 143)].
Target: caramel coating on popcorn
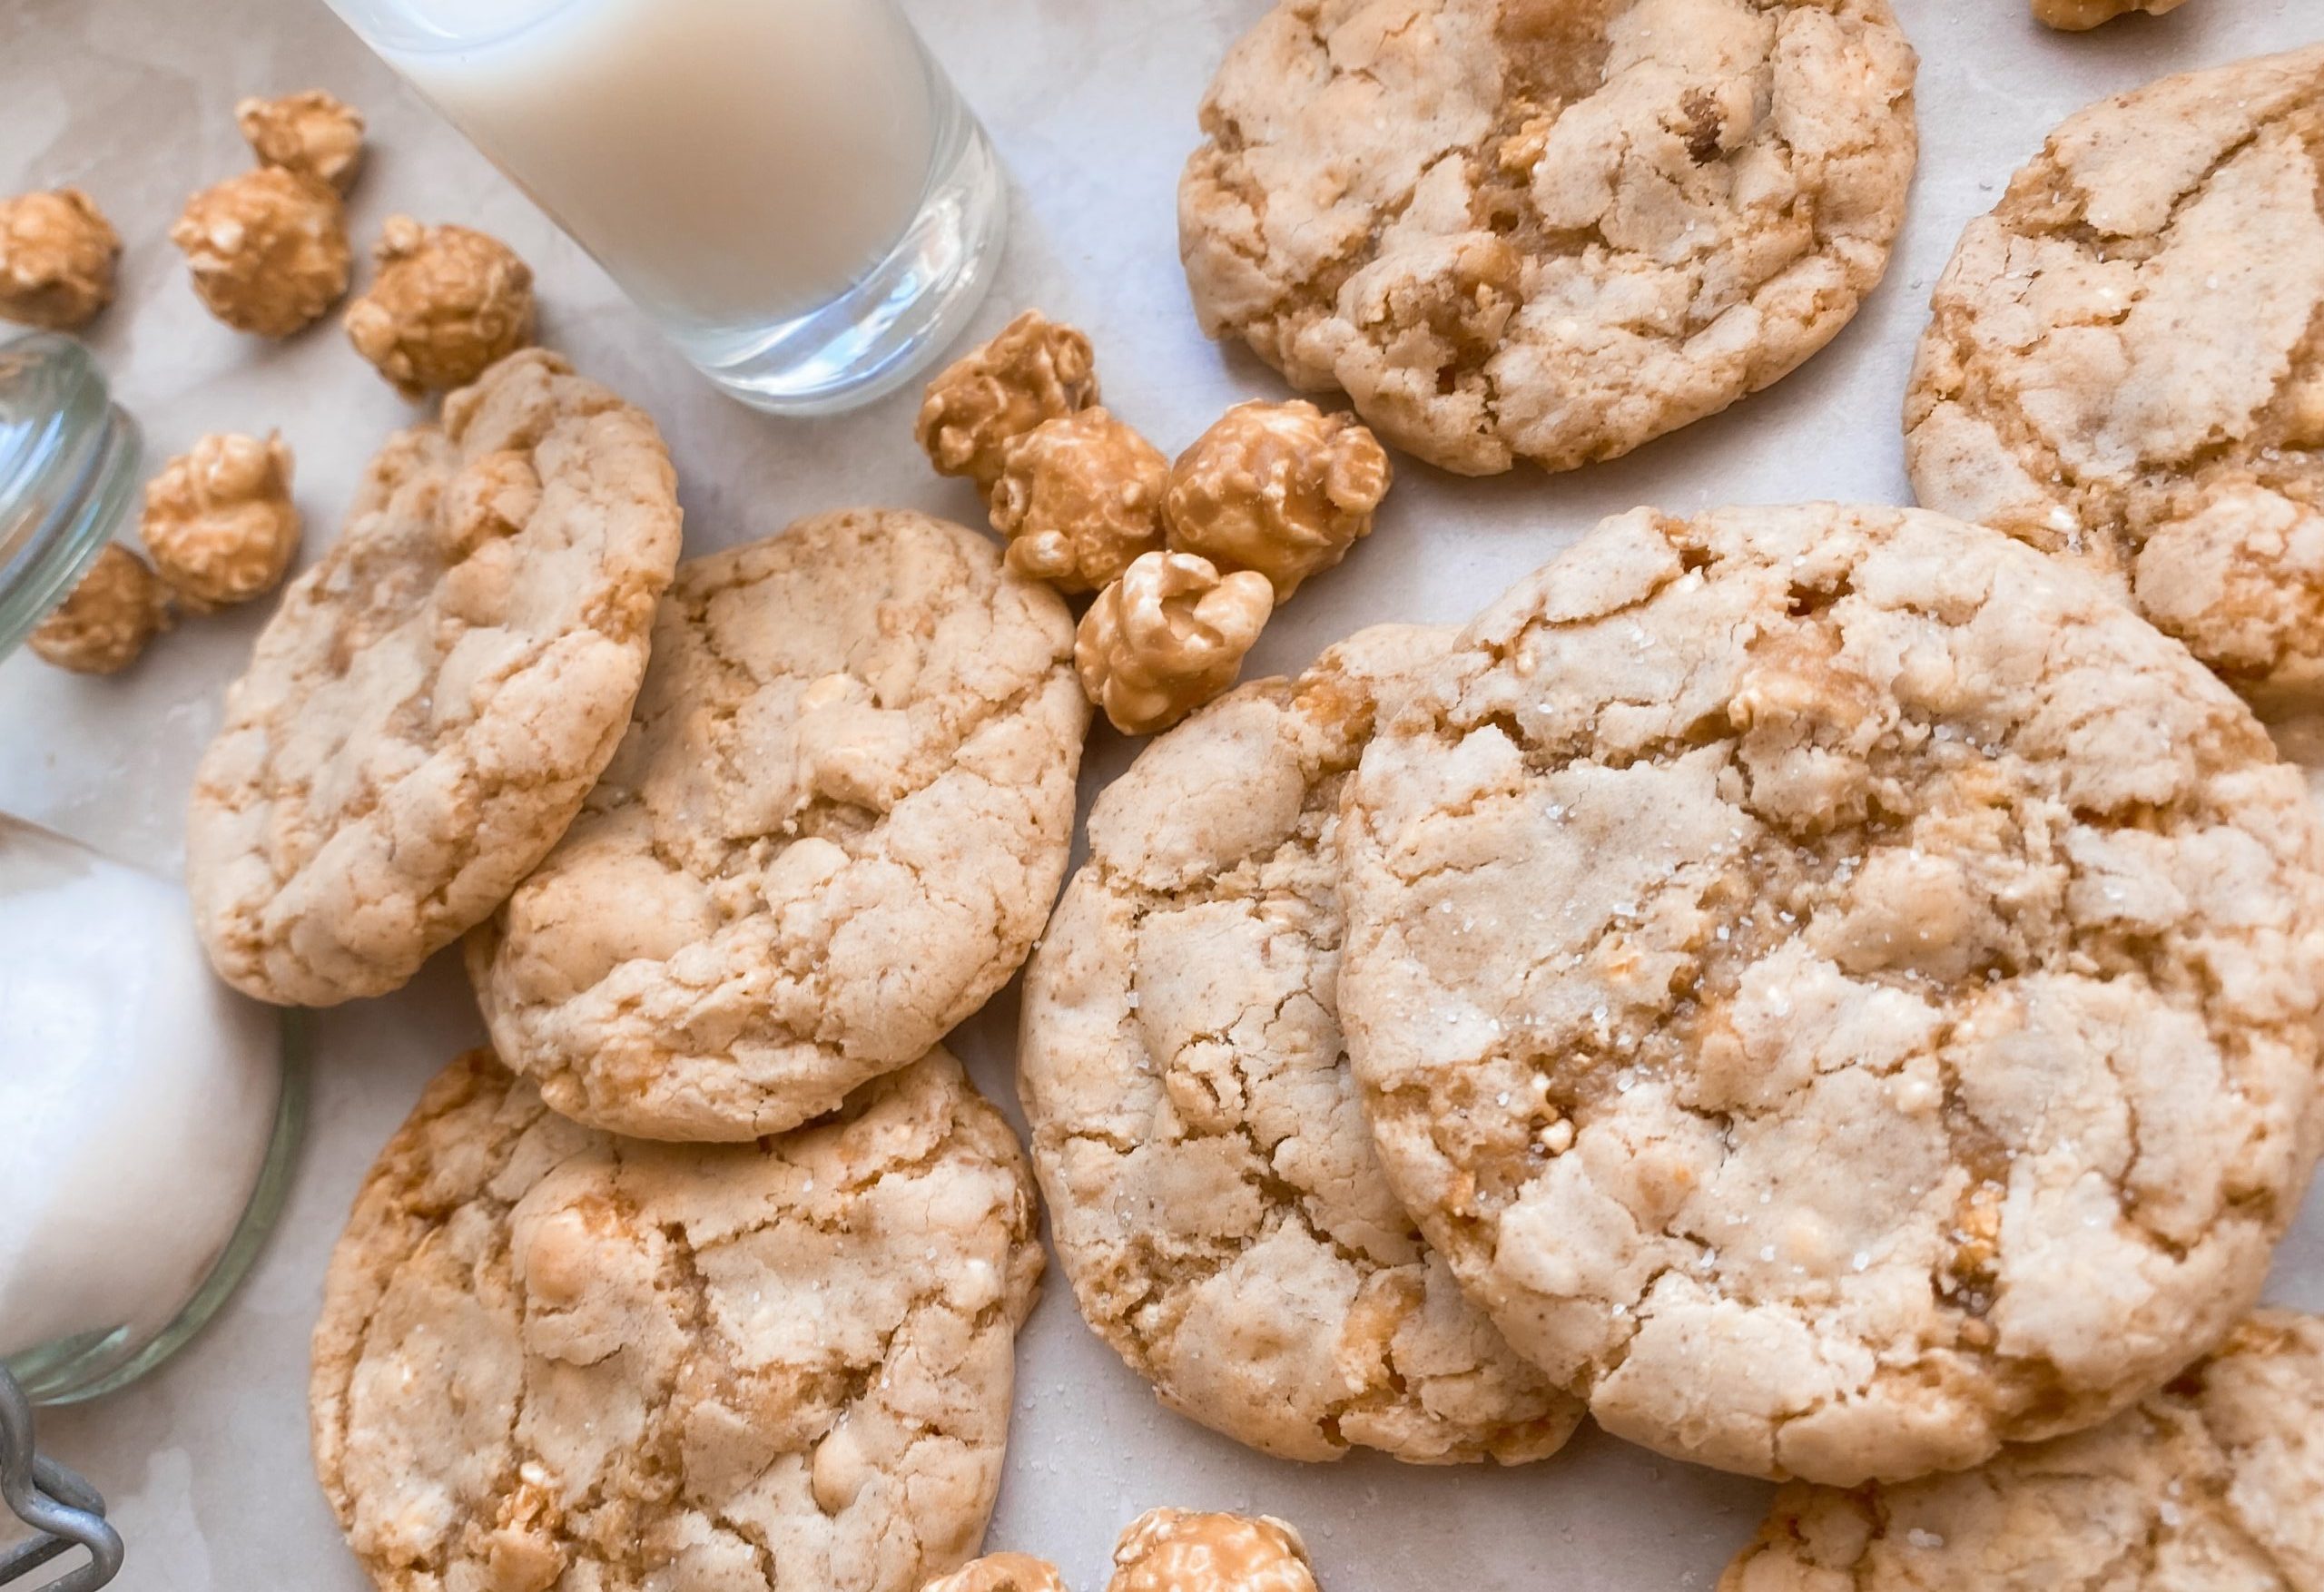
[(1035, 370), (102, 627), (2081, 15), (56, 259), (219, 520), (450, 302), (1281, 488), (267, 249), (1179, 1550), (1166, 637), (1078, 499), (312, 133), (1001, 1572)]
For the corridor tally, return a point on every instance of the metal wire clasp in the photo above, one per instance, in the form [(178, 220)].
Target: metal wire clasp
[(63, 1511)]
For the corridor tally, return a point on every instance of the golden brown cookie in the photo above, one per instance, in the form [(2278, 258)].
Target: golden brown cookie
[(2215, 1484), (2126, 365), (433, 699), (1212, 1189), (1547, 229), (552, 1358), (834, 828), (1841, 991)]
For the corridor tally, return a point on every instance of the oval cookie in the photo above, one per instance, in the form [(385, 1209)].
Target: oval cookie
[(552, 1358), (832, 831), (1841, 990), (2126, 365), (1212, 1189), (429, 704), (1549, 229)]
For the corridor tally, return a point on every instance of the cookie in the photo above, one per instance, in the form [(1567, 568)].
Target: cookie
[(1549, 230), (2125, 365), (431, 700), (832, 831), (1841, 990), (1213, 1190), (550, 1357), (2216, 1482)]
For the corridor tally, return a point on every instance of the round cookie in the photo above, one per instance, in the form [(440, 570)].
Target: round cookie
[(1549, 230), (2126, 365), (833, 830), (1840, 990), (550, 1357), (2217, 1482), (428, 707), (1212, 1187)]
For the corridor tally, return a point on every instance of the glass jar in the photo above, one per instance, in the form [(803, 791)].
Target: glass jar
[(792, 188), (151, 1115)]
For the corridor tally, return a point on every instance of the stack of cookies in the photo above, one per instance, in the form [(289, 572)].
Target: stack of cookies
[(713, 1270)]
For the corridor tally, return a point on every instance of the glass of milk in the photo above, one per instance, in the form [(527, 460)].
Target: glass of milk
[(792, 188), (148, 1115)]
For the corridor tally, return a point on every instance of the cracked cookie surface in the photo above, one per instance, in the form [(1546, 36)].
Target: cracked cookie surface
[(2215, 1483), (548, 1357), (1841, 991), (1549, 229), (1213, 1190), (425, 712), (2126, 365), (834, 830)]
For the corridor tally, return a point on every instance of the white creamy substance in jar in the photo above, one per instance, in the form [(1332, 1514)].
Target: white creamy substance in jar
[(137, 1096), (733, 163)]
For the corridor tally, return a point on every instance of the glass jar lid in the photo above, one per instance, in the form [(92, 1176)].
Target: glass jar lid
[(68, 462)]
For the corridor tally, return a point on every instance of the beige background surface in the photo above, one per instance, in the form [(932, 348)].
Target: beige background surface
[(1092, 103)]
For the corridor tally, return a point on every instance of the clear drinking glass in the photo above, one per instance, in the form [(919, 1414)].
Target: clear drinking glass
[(792, 188), (148, 1115)]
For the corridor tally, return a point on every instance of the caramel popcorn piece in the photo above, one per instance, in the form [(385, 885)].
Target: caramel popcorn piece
[(1035, 370), (219, 520), (1166, 637), (57, 258), (1001, 1572), (449, 303), (2080, 15), (101, 628), (1178, 1550), (268, 250), (1079, 498), (1281, 488), (313, 134)]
